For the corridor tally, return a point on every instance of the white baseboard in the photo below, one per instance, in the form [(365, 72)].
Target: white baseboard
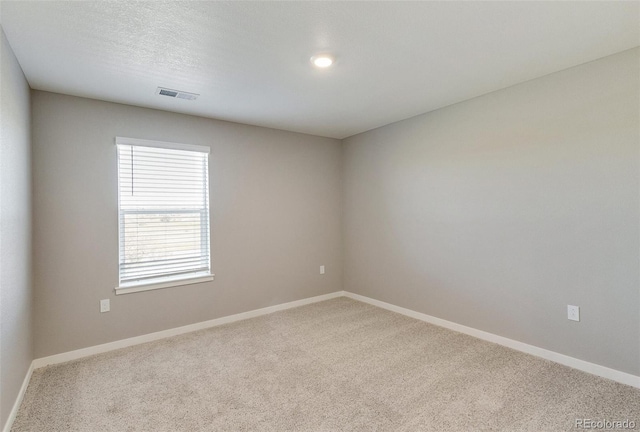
[(585, 366), (18, 402), (123, 343)]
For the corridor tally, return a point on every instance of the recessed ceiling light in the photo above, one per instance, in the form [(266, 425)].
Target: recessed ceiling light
[(322, 61)]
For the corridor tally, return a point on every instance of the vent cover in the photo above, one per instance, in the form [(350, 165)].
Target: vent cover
[(176, 94)]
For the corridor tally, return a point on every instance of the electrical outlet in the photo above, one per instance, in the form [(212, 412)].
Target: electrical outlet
[(105, 305), (573, 313), (321, 269)]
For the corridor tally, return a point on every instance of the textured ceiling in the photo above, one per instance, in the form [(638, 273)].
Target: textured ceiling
[(249, 61)]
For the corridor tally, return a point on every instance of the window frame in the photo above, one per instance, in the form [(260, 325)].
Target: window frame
[(161, 281)]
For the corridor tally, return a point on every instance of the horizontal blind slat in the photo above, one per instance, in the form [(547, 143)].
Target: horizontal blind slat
[(163, 264), (171, 274), (164, 267)]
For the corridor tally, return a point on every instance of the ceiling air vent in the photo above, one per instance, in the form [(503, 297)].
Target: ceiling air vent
[(176, 94)]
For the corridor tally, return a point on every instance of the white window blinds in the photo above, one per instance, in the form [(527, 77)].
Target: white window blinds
[(163, 211)]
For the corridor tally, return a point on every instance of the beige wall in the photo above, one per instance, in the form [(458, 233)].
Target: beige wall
[(15, 229), (494, 213), (275, 218), (499, 211)]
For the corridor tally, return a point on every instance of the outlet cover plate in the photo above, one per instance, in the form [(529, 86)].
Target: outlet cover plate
[(105, 305), (573, 313)]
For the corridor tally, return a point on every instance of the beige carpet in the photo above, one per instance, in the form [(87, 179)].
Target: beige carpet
[(338, 365)]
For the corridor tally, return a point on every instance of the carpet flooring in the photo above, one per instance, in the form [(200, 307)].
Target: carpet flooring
[(339, 365)]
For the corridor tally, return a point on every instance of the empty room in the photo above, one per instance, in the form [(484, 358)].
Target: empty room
[(319, 216)]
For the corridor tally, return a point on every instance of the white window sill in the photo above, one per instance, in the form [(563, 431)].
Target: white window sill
[(159, 284)]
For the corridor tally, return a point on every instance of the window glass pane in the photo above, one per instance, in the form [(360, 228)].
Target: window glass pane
[(164, 212)]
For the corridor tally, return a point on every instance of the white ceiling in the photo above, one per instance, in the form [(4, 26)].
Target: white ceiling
[(249, 61)]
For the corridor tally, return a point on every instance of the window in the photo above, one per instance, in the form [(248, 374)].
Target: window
[(163, 204)]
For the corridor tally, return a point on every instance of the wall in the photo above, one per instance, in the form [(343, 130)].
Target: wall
[(497, 212), (275, 218), (15, 229)]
